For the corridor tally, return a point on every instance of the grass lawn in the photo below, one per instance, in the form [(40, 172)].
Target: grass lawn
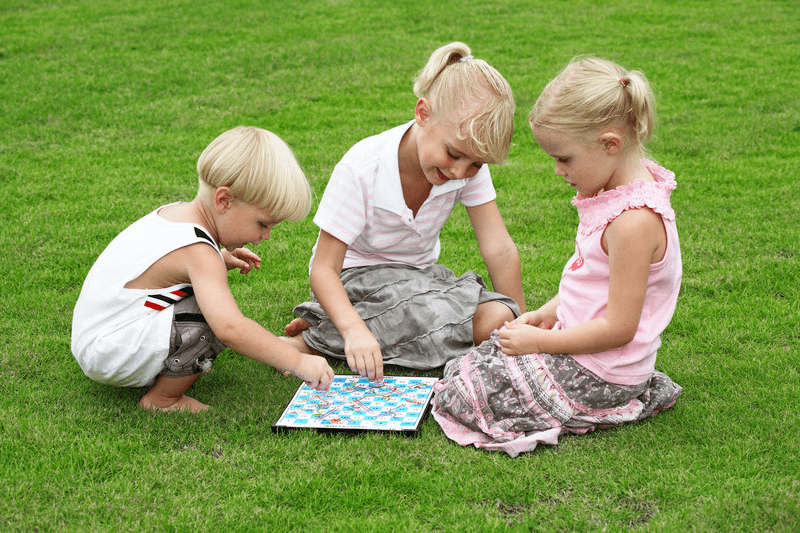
[(105, 107)]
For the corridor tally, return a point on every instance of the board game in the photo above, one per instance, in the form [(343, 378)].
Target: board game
[(398, 403)]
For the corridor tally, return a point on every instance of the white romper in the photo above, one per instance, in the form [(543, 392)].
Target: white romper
[(121, 336)]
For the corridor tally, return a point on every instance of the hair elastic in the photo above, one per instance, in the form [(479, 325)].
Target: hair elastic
[(623, 82), (465, 59)]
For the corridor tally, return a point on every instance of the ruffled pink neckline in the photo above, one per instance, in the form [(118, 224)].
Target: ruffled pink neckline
[(597, 211)]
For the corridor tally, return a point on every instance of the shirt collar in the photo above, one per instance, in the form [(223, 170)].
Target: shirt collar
[(388, 189)]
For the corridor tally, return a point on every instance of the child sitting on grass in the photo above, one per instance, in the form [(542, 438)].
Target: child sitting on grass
[(378, 295), (585, 359), (155, 309)]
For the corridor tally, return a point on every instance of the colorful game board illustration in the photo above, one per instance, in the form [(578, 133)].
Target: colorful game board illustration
[(354, 404)]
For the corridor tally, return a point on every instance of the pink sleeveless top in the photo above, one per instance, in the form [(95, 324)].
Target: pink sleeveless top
[(584, 284)]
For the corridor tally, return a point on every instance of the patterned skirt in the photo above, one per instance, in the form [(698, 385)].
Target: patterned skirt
[(422, 318), (512, 403)]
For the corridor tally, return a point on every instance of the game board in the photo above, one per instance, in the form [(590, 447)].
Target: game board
[(398, 403)]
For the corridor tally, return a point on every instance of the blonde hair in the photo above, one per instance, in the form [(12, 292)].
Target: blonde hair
[(593, 94), (260, 169), (457, 85)]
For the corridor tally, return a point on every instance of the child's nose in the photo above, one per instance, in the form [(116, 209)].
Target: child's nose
[(464, 169), (263, 237)]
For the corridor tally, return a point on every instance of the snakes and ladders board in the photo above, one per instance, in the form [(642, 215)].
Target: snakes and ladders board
[(397, 404)]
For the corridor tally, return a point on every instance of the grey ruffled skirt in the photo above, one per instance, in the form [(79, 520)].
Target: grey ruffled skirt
[(422, 318)]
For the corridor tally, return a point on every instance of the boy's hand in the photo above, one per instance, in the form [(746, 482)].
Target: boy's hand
[(241, 258), (364, 354), (315, 371)]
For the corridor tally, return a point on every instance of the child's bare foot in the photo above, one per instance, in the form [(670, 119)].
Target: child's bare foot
[(297, 325), (184, 403), (168, 394)]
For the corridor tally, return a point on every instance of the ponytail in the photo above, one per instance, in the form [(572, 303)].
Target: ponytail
[(439, 60), (591, 94), (473, 95)]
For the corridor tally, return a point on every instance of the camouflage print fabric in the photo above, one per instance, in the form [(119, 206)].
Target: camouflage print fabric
[(193, 346)]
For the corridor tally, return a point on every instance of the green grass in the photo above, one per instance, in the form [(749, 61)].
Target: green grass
[(105, 107)]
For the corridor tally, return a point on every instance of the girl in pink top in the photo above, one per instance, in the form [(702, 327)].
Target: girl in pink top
[(378, 294), (586, 358)]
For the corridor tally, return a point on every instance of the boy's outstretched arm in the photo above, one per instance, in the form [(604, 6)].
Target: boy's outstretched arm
[(209, 279), (498, 251)]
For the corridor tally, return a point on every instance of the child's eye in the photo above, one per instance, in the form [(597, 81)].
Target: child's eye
[(451, 155), (564, 160)]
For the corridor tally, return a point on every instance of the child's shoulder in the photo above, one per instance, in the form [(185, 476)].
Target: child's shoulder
[(369, 150), (174, 225), (177, 212)]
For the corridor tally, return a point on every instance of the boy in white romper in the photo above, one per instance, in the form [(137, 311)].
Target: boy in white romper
[(155, 309)]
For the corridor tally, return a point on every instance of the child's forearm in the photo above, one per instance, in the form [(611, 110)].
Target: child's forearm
[(505, 272), (595, 336), (549, 309), (250, 339), (330, 292)]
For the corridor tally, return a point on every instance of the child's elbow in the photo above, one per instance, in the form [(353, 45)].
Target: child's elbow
[(626, 339), (227, 331), (626, 334), (505, 253), (225, 336)]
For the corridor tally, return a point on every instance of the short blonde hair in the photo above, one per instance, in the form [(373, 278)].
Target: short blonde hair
[(457, 85), (260, 169), (593, 94)]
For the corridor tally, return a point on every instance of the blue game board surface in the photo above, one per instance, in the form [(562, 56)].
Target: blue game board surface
[(398, 403)]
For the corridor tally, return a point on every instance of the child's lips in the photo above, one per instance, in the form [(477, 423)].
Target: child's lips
[(441, 175)]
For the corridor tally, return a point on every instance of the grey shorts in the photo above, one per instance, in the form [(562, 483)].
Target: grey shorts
[(192, 344)]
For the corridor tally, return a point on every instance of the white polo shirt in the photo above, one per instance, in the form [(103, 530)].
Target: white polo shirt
[(363, 206)]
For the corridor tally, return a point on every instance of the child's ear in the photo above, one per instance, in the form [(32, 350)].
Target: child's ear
[(422, 113), (223, 199), (611, 142)]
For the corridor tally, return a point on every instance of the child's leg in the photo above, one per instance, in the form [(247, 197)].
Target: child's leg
[(193, 347), (489, 317), (168, 395)]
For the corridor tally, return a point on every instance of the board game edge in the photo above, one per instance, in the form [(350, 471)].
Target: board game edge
[(280, 428)]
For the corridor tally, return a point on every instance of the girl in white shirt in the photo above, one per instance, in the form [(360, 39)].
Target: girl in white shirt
[(378, 295)]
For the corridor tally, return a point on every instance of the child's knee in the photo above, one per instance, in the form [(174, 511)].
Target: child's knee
[(193, 345), (489, 317)]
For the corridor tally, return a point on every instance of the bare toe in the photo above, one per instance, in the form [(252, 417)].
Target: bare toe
[(297, 325)]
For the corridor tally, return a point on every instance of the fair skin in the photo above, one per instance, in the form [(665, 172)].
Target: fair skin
[(430, 155), (232, 223), (633, 241)]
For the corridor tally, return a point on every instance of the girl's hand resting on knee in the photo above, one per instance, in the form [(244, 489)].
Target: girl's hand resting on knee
[(517, 339), (520, 336)]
